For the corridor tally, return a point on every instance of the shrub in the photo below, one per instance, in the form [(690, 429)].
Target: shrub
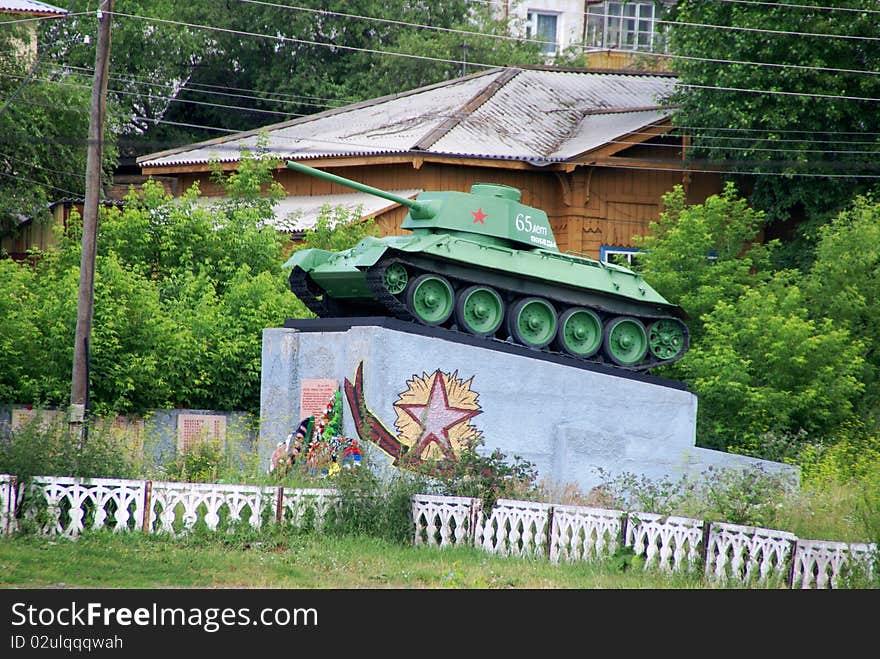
[(39, 449), (748, 496), (487, 477), (374, 506)]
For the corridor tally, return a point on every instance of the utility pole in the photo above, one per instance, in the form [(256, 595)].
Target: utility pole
[(79, 391)]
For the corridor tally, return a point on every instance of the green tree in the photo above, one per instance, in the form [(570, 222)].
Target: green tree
[(699, 255), (765, 369), (152, 54), (768, 366), (337, 228), (800, 114), (18, 328), (43, 125), (184, 288), (843, 285)]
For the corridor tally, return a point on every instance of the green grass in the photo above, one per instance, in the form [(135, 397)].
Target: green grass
[(311, 561)]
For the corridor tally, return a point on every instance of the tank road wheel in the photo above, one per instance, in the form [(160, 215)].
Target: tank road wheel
[(580, 332), (430, 299), (479, 310), (666, 338), (532, 322), (395, 278), (626, 341)]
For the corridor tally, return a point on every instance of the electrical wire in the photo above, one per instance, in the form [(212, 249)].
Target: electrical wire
[(306, 42), (422, 57), (208, 89), (18, 177), (789, 5), (387, 21)]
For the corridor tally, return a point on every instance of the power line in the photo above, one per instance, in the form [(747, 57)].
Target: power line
[(306, 42), (483, 34), (178, 123), (730, 172), (54, 17), (738, 28), (781, 131), (208, 89), (232, 131), (168, 98), (18, 177), (388, 21), (46, 169), (450, 61), (790, 5), (874, 152), (776, 92), (716, 60)]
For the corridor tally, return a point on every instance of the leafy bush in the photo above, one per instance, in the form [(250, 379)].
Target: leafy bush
[(629, 491), (201, 463), (765, 366), (374, 506), (487, 477), (748, 496), (38, 449)]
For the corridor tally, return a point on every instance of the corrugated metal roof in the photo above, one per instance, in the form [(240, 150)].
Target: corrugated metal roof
[(536, 116), (30, 7)]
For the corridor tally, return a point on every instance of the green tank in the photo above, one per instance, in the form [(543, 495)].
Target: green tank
[(484, 264)]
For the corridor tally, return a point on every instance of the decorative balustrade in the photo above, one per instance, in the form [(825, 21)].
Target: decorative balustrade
[(67, 506), (580, 533), (746, 554), (444, 521), (666, 542), (729, 553), (514, 528), (178, 507), (8, 491), (821, 564), (307, 507)]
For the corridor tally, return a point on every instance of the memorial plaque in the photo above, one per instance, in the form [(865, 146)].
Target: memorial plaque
[(314, 396), (195, 428)]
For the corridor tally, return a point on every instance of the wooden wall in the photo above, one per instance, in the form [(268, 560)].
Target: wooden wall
[(36, 235)]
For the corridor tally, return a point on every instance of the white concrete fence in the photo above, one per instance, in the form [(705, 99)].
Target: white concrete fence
[(68, 506), (728, 554)]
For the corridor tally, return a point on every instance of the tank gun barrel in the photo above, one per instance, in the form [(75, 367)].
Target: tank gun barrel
[(417, 210)]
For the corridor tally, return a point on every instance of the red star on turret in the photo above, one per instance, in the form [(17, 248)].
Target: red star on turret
[(479, 216)]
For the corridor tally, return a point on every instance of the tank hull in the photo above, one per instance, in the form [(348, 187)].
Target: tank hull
[(358, 281)]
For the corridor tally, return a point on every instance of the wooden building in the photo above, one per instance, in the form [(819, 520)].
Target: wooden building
[(594, 149)]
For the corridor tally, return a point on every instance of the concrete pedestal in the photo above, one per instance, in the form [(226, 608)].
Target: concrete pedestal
[(424, 391)]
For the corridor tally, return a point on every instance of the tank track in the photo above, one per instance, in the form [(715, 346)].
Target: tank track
[(302, 285), (304, 288), (396, 307)]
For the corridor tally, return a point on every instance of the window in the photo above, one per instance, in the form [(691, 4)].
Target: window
[(625, 256), (542, 27), (623, 25)]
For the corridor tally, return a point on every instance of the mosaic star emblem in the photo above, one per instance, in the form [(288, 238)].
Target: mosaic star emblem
[(436, 418)]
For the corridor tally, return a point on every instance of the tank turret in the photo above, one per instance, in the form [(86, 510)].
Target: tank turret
[(483, 263)]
